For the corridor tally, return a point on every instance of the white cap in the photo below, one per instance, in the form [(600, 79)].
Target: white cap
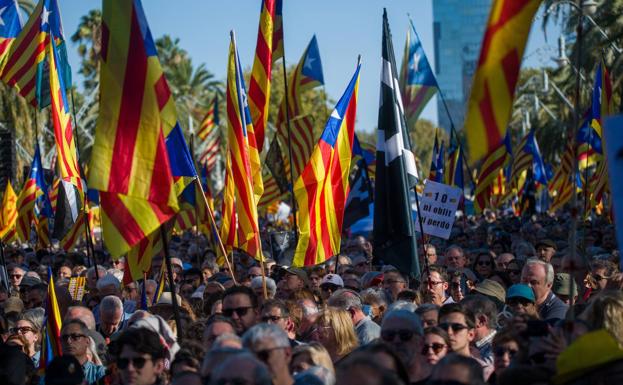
[(332, 278)]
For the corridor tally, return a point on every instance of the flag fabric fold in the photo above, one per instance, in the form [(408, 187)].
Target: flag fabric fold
[(322, 188), (10, 26), (33, 203), (8, 214), (491, 100), (210, 121), (137, 112), (490, 170), (396, 174)]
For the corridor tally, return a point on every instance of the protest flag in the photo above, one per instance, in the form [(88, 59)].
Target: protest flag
[(360, 195), (8, 214), (10, 26), (51, 344), (489, 172), (33, 194), (210, 120)]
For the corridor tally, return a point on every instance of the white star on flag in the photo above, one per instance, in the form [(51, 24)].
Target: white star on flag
[(308, 62), (45, 16), (1, 12), (416, 62)]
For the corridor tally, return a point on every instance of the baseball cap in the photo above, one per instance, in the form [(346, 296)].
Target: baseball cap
[(302, 274), (28, 281), (562, 285), (491, 288), (520, 290), (333, 279), (177, 262)]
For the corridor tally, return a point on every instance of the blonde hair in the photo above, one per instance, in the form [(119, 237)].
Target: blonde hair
[(342, 328), (605, 311), (318, 355)]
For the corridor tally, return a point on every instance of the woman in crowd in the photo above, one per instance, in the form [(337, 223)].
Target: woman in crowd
[(312, 354), (435, 347), (484, 265), (335, 331), (513, 270), (505, 347), (29, 326)]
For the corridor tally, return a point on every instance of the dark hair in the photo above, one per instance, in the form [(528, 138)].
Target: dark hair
[(355, 361), (381, 347), (441, 270), (480, 304), (470, 365), (506, 335), (450, 308), (141, 340), (188, 355), (242, 290), (436, 330), (279, 304), (192, 271), (407, 295), (486, 253), (42, 288), (84, 329)]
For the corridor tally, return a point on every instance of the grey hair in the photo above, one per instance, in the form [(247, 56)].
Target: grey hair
[(473, 368), (263, 332), (210, 264), (455, 247), (35, 316), (271, 286), (413, 319), (403, 305), (102, 271), (345, 299), (374, 296), (220, 340), (215, 357), (315, 375), (110, 303), (108, 280), (482, 305), (261, 374), (549, 269)]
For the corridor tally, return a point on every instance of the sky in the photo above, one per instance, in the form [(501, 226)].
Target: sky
[(344, 29)]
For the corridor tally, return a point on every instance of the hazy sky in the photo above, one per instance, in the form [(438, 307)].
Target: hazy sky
[(344, 28)]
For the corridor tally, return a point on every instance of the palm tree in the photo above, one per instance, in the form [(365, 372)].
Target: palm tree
[(89, 39)]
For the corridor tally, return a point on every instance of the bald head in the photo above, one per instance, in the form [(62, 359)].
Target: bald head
[(83, 314)]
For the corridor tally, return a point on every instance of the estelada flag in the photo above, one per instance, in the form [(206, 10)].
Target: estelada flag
[(491, 100), (130, 165)]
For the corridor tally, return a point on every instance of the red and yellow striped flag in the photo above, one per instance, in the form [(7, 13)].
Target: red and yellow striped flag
[(561, 186), (259, 85), (210, 120), (51, 344), (489, 173), (491, 100), (243, 159), (228, 230), (129, 162), (8, 214), (138, 259), (322, 188)]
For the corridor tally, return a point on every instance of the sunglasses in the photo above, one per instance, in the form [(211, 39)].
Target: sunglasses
[(456, 327), (403, 334), (240, 311), (21, 330), (329, 287), (437, 348), (484, 263), (16, 276), (519, 301), (500, 351), (72, 337), (271, 318), (137, 362)]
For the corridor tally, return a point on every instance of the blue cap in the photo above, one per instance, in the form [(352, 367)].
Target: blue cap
[(520, 291)]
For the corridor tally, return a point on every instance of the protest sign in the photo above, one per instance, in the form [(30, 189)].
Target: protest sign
[(438, 205)]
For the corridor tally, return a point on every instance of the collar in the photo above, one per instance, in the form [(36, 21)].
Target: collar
[(485, 340)]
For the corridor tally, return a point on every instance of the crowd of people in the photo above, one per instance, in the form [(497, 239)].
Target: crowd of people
[(503, 301)]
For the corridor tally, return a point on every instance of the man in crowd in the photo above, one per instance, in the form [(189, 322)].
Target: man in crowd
[(276, 312), (241, 305), (545, 249), (271, 345), (140, 357), (539, 275), (350, 301), (434, 286), (402, 330), (394, 283), (486, 315), (75, 341)]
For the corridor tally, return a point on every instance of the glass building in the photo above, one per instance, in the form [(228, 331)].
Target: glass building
[(458, 27)]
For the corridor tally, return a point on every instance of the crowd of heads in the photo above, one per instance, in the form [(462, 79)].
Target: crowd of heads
[(501, 302)]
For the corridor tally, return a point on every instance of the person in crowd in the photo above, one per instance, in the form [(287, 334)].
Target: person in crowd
[(329, 284), (112, 316), (28, 327), (429, 314), (271, 345), (539, 275), (309, 315), (486, 316), (375, 302), (241, 305), (564, 288), (601, 272), (457, 369), (295, 279), (16, 274), (334, 329), (306, 356), (350, 301), (139, 357), (545, 249), (502, 261), (393, 283), (242, 368), (208, 269), (276, 312), (455, 259), (505, 348), (215, 326), (75, 341), (459, 322), (402, 330), (361, 369), (431, 254), (484, 265), (315, 277), (520, 300), (513, 271), (257, 285), (435, 346), (434, 286)]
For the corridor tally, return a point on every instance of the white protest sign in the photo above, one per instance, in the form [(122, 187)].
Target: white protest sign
[(438, 206)]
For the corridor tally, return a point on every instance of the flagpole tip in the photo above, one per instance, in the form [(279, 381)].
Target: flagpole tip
[(359, 59)]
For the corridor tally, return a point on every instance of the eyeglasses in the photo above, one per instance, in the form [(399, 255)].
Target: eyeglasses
[(404, 335), (500, 351), (21, 330), (329, 287), (16, 276), (437, 348), (484, 263), (263, 355), (240, 311), (271, 318), (456, 327), (598, 277), (72, 337), (137, 362), (434, 283)]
